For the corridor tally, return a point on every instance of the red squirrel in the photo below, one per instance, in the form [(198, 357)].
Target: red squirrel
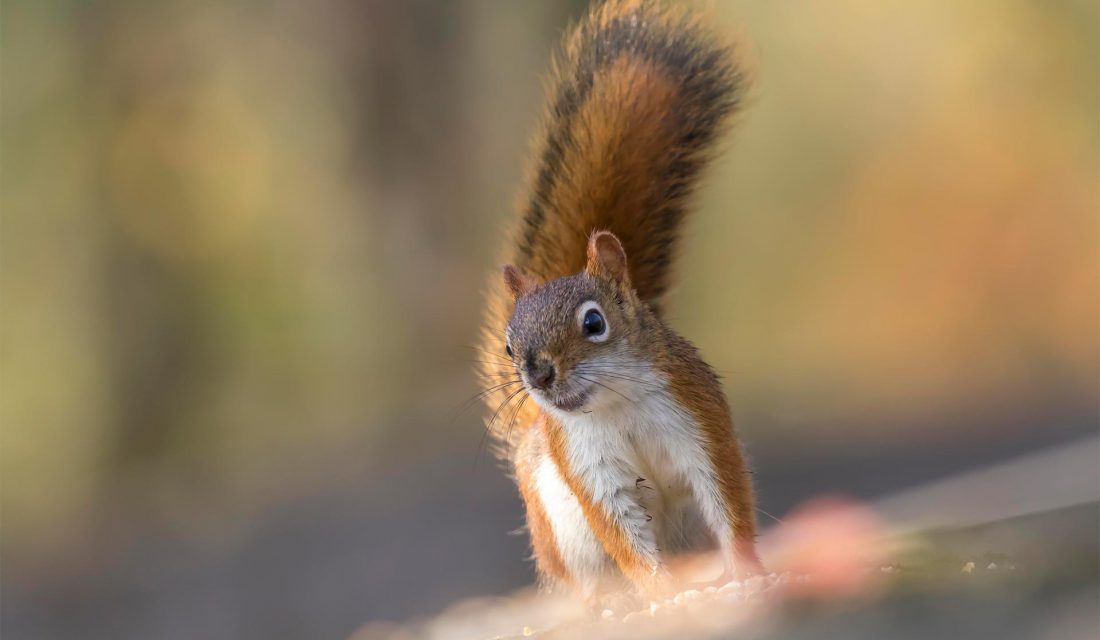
[(627, 456)]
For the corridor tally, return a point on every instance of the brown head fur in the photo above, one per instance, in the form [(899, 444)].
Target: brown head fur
[(547, 331)]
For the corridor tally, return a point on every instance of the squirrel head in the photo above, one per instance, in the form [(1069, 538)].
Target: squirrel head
[(573, 339)]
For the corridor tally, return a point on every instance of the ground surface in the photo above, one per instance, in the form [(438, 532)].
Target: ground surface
[(1035, 575)]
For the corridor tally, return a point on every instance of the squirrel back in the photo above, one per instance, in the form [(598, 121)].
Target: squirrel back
[(637, 98)]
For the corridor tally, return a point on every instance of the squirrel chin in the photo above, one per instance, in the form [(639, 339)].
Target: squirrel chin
[(563, 403)]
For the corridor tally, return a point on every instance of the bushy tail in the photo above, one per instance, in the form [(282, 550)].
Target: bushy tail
[(638, 96)]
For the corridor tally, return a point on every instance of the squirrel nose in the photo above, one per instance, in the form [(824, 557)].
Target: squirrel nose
[(541, 373)]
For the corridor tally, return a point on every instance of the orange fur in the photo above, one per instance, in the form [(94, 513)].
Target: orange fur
[(696, 387), (550, 565)]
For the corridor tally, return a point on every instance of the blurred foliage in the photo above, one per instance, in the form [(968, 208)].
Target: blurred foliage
[(244, 243)]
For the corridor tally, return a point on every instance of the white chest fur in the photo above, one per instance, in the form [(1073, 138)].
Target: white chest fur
[(643, 459), (648, 451)]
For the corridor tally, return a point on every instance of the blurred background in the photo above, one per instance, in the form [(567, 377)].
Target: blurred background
[(243, 248)]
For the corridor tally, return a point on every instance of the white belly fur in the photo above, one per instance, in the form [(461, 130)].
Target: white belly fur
[(650, 437)]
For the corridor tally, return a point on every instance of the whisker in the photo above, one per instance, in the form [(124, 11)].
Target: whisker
[(495, 387), (632, 365), (653, 386), (621, 365), (515, 414), (491, 353), (462, 407), (492, 362), (769, 515), (611, 372), (615, 370), (506, 401), (489, 425), (606, 387)]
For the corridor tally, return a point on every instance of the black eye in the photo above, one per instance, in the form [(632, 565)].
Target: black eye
[(508, 350), (593, 324)]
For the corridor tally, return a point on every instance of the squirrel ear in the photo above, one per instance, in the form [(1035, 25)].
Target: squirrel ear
[(518, 282), (606, 257)]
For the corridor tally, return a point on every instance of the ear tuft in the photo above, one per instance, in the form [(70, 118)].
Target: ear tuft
[(607, 258), (517, 282)]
